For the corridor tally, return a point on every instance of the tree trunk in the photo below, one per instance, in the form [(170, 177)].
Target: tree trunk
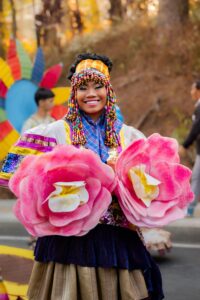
[(75, 18), (94, 12), (116, 10), (172, 14), (14, 22), (37, 29), (48, 23), (1, 28)]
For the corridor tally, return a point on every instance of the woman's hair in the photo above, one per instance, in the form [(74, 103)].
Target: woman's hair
[(43, 94), (92, 56), (197, 84)]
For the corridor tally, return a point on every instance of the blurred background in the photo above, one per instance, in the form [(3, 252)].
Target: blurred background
[(155, 49), (154, 45)]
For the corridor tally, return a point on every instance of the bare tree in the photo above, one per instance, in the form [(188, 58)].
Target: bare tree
[(75, 18), (137, 7), (116, 10), (172, 13), (1, 28), (48, 21), (14, 22)]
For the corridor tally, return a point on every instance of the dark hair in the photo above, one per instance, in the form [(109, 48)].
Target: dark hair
[(43, 94), (93, 56), (197, 84)]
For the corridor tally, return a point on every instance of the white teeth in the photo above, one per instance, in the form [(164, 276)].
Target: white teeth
[(92, 101)]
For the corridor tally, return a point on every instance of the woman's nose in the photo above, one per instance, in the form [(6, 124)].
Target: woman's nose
[(91, 92)]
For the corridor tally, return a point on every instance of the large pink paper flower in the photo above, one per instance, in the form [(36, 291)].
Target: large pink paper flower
[(153, 187), (63, 192)]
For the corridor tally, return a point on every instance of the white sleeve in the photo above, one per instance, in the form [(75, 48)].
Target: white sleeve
[(131, 134), (55, 130)]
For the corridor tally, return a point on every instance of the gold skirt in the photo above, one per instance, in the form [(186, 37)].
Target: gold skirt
[(54, 281)]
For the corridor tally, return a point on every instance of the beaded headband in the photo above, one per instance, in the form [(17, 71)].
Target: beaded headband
[(93, 64)]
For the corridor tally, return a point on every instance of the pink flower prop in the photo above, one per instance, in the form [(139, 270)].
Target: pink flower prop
[(153, 187), (63, 192)]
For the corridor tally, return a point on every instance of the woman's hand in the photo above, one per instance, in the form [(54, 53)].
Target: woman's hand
[(112, 159), (112, 164), (181, 151)]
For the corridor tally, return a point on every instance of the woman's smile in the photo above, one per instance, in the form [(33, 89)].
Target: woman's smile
[(92, 101)]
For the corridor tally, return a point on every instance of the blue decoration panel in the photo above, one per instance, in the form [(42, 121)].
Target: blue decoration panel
[(20, 103)]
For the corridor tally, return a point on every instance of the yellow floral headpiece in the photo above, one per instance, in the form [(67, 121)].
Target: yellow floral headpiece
[(93, 64)]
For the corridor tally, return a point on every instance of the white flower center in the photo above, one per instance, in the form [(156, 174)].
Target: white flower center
[(145, 186), (67, 196)]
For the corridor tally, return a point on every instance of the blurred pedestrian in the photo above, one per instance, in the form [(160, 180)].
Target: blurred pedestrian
[(44, 100), (194, 136)]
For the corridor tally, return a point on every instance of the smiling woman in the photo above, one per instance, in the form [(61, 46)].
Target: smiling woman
[(86, 247)]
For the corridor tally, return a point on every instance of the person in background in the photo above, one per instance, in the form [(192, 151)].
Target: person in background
[(194, 136), (44, 100)]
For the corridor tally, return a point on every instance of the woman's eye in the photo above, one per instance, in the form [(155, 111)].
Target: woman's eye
[(99, 86), (82, 88)]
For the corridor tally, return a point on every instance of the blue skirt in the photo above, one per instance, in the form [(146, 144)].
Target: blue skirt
[(105, 246)]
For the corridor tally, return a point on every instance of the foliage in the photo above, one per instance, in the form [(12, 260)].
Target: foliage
[(195, 10), (181, 131), (57, 21)]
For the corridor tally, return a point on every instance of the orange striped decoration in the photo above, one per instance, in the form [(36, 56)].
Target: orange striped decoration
[(93, 64), (13, 60)]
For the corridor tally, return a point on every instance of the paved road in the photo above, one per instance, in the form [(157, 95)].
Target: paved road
[(13, 234), (181, 273)]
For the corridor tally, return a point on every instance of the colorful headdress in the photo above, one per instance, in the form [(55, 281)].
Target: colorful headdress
[(92, 70), (93, 64)]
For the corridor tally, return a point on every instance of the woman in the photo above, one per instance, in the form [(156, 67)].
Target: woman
[(111, 261)]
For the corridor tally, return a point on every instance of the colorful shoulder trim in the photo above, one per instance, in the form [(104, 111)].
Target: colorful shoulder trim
[(27, 144), (68, 133)]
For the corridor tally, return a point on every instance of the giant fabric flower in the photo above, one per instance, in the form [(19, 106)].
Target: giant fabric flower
[(63, 192), (153, 187)]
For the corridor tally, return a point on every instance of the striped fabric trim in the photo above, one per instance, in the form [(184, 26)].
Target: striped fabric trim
[(122, 139), (30, 137), (26, 145), (34, 147), (5, 176), (68, 133), (4, 182), (36, 143), (24, 151)]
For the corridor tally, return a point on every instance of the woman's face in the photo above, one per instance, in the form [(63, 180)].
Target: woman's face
[(91, 98)]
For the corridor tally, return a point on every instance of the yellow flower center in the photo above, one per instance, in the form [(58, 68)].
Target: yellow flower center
[(68, 196), (145, 186)]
